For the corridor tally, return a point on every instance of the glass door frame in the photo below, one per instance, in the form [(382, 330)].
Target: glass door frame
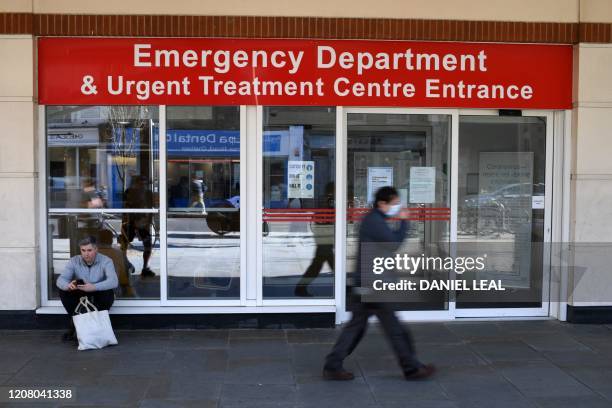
[(544, 310), (342, 314), (452, 312)]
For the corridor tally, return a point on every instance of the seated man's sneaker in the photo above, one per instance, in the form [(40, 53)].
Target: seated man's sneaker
[(424, 371), (338, 375), (69, 336)]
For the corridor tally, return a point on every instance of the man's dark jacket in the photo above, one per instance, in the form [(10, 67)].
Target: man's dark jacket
[(376, 238)]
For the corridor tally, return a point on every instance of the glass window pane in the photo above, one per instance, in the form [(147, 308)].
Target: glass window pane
[(130, 240), (203, 184), (299, 162), (390, 149), (101, 157), (96, 153), (502, 168)]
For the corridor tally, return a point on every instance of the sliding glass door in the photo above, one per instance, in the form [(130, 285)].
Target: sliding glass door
[(410, 152), (504, 197)]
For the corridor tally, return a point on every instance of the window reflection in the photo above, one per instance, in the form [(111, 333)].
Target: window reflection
[(298, 202), (94, 153), (203, 182), (131, 248), (103, 161)]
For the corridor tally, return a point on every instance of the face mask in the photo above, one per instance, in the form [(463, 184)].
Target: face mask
[(394, 210)]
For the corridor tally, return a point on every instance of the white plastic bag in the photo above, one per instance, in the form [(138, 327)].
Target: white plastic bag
[(93, 328)]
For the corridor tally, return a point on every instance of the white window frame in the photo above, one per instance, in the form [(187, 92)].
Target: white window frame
[(306, 303), (422, 315), (544, 310), (251, 299), (55, 305), (251, 175), (186, 303)]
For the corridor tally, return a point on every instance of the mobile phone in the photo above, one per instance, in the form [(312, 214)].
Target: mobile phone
[(80, 282)]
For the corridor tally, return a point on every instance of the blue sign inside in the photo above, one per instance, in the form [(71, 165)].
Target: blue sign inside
[(222, 143), (203, 142), (272, 142)]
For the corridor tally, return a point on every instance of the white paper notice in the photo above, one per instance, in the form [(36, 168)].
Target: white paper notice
[(378, 177), (422, 185), (300, 176), (537, 202)]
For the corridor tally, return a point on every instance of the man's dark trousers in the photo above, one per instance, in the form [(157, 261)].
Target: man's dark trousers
[(102, 299), (352, 333)]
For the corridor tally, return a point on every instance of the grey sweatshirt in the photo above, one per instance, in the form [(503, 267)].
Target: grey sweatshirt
[(101, 273)]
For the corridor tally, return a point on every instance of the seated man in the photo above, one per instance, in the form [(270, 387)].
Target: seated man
[(90, 274)]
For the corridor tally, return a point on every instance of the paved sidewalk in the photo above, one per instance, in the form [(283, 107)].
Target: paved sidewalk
[(481, 364)]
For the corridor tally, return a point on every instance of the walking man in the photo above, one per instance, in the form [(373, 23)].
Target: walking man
[(374, 229), (198, 188), (133, 225)]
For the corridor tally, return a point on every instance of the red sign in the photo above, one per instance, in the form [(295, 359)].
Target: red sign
[(101, 71)]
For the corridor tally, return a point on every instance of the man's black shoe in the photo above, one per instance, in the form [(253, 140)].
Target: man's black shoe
[(424, 371), (69, 336), (338, 375)]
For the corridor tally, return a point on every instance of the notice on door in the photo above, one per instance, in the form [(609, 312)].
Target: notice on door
[(505, 184), (506, 174), (537, 202), (422, 185), (378, 177), (300, 177)]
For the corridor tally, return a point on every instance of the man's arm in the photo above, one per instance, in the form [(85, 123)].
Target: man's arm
[(110, 281), (401, 232), (381, 232), (63, 281)]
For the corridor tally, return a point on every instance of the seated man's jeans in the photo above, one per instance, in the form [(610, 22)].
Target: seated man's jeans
[(102, 299)]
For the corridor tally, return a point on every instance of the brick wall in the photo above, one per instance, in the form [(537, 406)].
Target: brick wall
[(301, 27)]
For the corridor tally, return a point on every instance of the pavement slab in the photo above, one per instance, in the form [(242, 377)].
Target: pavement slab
[(488, 364)]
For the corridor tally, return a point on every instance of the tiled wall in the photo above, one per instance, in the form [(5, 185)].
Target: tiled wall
[(18, 176)]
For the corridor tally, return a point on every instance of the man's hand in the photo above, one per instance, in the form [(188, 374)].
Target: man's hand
[(72, 285), (88, 287), (404, 214)]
